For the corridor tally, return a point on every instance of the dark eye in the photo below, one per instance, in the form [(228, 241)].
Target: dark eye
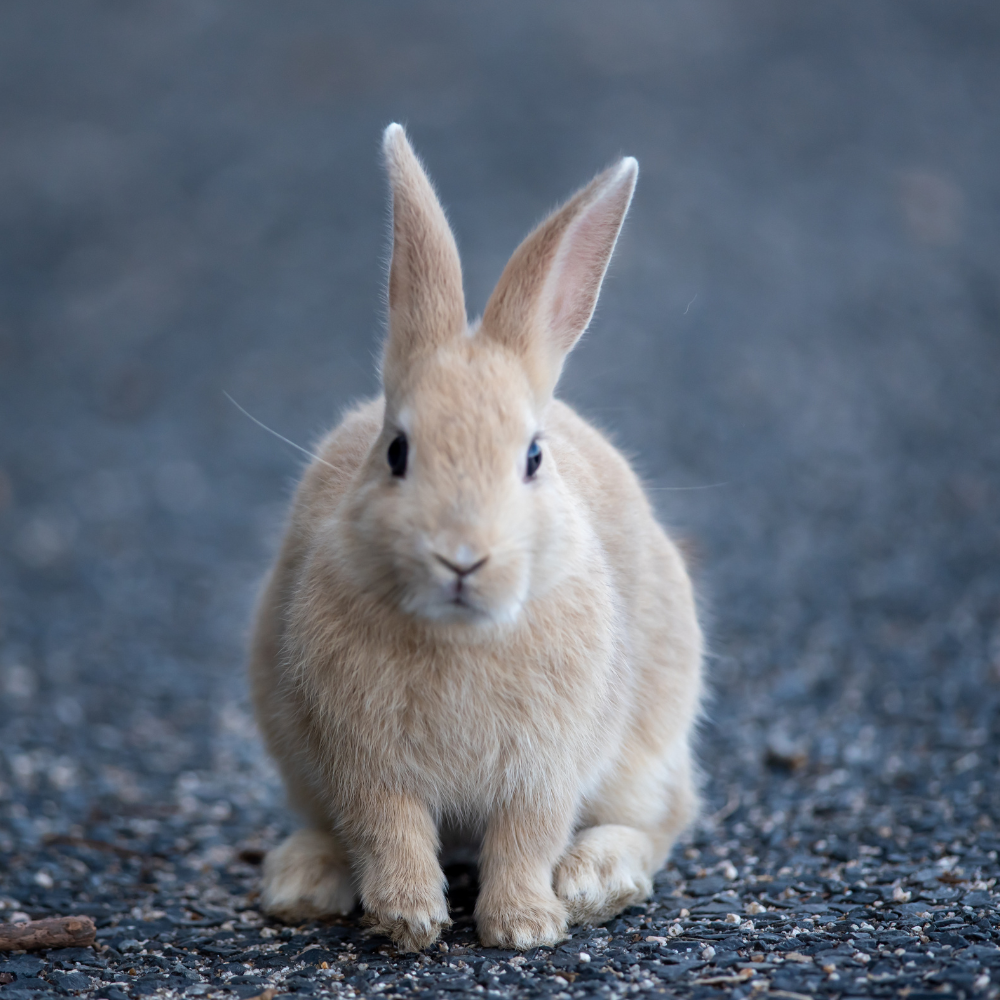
[(534, 458), (397, 455)]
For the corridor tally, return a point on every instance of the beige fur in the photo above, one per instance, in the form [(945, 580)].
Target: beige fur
[(545, 703)]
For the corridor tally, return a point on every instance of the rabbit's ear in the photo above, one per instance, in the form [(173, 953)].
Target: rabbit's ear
[(547, 293), (426, 303)]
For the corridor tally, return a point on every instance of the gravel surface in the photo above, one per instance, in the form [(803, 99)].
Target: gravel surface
[(799, 340)]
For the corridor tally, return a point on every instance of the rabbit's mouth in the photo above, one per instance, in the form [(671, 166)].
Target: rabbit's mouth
[(469, 608), (456, 610), (457, 603), (459, 592), (462, 603)]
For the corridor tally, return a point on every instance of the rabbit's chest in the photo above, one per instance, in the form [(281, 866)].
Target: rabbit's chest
[(458, 730)]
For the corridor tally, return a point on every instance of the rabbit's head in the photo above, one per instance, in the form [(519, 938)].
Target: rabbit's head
[(459, 513)]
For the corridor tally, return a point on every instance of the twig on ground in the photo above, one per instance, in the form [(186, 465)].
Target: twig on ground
[(52, 932)]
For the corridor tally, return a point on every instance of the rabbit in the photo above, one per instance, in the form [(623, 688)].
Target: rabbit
[(475, 625)]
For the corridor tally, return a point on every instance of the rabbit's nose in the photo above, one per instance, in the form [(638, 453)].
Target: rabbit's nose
[(462, 569)]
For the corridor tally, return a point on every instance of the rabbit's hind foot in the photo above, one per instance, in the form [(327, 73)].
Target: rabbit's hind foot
[(606, 869), (307, 877)]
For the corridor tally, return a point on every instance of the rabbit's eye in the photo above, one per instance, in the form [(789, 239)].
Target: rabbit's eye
[(397, 455), (534, 458)]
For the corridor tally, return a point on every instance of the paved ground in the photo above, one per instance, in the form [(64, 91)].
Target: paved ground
[(799, 340)]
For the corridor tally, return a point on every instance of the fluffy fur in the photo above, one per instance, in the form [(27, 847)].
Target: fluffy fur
[(541, 702)]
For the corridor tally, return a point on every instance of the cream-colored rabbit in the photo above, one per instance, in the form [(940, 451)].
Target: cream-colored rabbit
[(475, 622)]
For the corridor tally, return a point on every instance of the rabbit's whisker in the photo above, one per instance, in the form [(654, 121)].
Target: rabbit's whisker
[(280, 437), (682, 489)]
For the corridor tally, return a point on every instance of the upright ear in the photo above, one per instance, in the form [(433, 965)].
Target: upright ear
[(426, 303), (547, 293)]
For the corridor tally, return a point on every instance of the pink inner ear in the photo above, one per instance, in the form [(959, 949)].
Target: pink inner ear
[(575, 280)]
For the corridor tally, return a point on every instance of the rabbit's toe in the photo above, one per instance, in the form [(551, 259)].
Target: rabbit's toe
[(306, 877), (521, 924), (604, 871), (412, 925)]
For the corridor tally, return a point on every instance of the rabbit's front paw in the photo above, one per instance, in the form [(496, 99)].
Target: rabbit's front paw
[(413, 924), (306, 877), (604, 871), (521, 924)]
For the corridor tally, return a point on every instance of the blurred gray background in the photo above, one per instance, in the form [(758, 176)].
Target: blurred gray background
[(799, 342)]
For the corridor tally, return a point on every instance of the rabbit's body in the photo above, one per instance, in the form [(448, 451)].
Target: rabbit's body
[(544, 692)]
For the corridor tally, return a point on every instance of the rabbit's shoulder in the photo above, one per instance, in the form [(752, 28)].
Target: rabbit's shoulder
[(595, 471), (639, 551)]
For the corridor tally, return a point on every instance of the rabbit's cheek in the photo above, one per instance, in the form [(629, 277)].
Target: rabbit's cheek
[(504, 589)]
